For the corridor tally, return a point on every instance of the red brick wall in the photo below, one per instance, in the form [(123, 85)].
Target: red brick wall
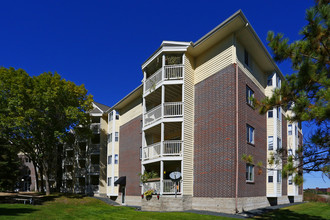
[(130, 140), (285, 148), (215, 134), (248, 115), (214, 147)]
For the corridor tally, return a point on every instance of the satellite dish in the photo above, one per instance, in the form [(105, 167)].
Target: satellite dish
[(175, 175)]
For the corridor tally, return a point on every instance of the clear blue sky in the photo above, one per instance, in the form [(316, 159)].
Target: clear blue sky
[(103, 43)]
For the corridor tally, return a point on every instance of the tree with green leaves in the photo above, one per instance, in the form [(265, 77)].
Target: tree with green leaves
[(306, 92), (37, 113)]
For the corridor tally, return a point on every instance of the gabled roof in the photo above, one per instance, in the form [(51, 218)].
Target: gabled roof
[(102, 108)]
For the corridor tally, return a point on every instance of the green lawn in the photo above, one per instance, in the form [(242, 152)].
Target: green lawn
[(311, 210), (64, 207)]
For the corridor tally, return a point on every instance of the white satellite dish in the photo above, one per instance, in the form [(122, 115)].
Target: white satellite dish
[(175, 175)]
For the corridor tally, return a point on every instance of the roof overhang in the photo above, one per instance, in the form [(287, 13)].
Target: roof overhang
[(167, 46)]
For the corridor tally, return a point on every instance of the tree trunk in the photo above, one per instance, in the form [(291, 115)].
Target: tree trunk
[(41, 179), (47, 183), (36, 176)]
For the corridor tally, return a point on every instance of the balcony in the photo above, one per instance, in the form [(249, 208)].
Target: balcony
[(95, 168), (168, 187), (170, 72), (169, 109), (80, 172), (95, 127), (94, 148), (68, 161), (163, 149), (67, 176)]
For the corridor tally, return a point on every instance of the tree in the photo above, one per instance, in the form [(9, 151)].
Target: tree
[(306, 92), (36, 114), (9, 166)]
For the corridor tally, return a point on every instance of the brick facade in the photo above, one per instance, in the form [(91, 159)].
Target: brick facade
[(215, 134), (130, 140), (247, 115)]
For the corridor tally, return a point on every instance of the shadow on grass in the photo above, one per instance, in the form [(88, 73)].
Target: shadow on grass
[(286, 214), (15, 211)]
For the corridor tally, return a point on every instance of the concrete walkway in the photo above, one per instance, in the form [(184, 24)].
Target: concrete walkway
[(106, 200)]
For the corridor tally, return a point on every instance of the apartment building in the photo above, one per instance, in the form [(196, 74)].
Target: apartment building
[(82, 167), (198, 119), (193, 114)]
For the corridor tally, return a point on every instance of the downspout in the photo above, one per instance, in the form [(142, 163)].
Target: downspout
[(236, 117)]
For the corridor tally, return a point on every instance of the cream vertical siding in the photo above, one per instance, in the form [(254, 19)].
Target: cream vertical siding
[(103, 156), (188, 147), (131, 111), (258, 76), (214, 60), (270, 189)]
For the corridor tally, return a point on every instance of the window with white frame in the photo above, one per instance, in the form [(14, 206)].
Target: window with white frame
[(140, 153), (109, 181), (290, 129), (279, 143), (250, 134), (270, 176), (279, 176), (110, 159), (279, 113), (270, 113), (270, 80), (116, 136), (249, 172), (249, 96), (296, 130), (270, 143), (278, 82), (290, 153), (111, 116), (117, 116), (290, 179), (116, 158)]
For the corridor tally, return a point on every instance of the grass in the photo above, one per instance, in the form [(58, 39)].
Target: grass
[(85, 208), (310, 210), (78, 207)]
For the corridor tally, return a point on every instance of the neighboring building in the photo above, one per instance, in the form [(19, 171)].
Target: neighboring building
[(27, 179), (82, 160), (193, 114)]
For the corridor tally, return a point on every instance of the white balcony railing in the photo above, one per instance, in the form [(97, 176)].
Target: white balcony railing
[(171, 109), (165, 148), (94, 168), (168, 187), (94, 148), (171, 72)]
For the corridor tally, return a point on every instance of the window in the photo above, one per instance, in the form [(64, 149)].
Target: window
[(279, 176), (246, 57), (110, 159), (279, 113), (278, 82), (250, 134), (116, 136), (140, 153), (270, 113), (279, 143), (116, 158), (270, 80), (289, 129), (290, 179), (249, 173), (111, 116), (270, 176), (109, 181), (249, 96), (270, 143), (110, 137), (117, 116), (290, 153)]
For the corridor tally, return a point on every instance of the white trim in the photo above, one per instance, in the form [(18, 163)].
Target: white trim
[(95, 114), (113, 151), (95, 106), (178, 119), (162, 159)]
